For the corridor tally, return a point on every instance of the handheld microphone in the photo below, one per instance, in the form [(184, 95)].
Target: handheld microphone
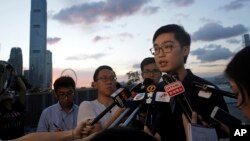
[(150, 96), (139, 99), (209, 88), (119, 96), (176, 90)]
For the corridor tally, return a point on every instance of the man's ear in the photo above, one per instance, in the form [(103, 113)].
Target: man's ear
[(186, 50), (94, 84), (55, 95)]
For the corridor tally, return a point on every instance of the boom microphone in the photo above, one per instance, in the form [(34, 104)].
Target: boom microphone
[(210, 88), (176, 90), (119, 96)]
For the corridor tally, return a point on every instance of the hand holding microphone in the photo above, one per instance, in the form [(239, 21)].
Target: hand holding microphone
[(119, 96)]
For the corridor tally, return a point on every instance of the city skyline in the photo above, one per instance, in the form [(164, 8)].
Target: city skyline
[(84, 34)]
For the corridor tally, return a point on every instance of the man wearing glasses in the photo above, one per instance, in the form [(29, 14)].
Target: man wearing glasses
[(105, 84), (150, 70), (62, 115), (171, 47)]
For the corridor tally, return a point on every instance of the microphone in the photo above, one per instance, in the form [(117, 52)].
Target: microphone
[(210, 88), (119, 96), (139, 99), (150, 96), (176, 90)]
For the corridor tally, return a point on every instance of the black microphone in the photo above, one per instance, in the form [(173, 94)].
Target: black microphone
[(210, 88), (119, 96), (176, 90), (138, 100), (150, 97)]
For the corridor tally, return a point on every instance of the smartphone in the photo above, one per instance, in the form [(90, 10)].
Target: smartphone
[(224, 117)]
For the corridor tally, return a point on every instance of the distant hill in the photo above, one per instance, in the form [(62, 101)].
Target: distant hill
[(218, 79)]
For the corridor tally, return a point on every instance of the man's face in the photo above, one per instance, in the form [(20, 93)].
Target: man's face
[(151, 71), (106, 82), (170, 56), (65, 96)]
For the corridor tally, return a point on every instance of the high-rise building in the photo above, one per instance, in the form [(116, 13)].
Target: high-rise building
[(38, 37), (16, 59), (246, 40), (48, 69)]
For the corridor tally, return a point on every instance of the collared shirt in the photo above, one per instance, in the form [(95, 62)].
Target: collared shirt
[(54, 117)]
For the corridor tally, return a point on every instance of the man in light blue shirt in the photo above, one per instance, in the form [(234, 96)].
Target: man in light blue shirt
[(62, 115)]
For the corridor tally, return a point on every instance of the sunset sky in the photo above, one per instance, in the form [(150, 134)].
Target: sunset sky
[(84, 34)]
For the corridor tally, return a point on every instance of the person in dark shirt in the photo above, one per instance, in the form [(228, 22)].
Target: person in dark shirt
[(171, 47), (12, 109)]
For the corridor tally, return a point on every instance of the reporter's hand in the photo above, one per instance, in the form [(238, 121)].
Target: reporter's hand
[(90, 129)]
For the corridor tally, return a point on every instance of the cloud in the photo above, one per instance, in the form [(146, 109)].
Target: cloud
[(84, 56), (150, 10), (136, 66), (233, 41), (215, 31), (181, 3), (126, 35), (212, 53), (90, 13), (99, 38), (53, 40), (234, 5)]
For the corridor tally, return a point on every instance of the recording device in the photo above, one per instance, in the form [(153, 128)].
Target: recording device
[(176, 90), (119, 96), (141, 98), (224, 117), (150, 96), (210, 88), (5, 76)]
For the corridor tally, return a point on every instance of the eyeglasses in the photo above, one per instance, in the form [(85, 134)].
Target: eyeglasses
[(105, 79), (67, 94), (165, 47), (147, 72)]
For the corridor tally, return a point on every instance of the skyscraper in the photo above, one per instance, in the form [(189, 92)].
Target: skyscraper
[(38, 37), (246, 40), (16, 59), (49, 69)]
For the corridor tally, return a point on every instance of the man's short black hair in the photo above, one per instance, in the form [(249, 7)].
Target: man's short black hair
[(179, 32), (64, 81), (99, 69), (146, 61)]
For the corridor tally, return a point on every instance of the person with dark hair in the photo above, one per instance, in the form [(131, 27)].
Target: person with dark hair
[(150, 70), (171, 47), (237, 72), (105, 83), (122, 134), (12, 108), (62, 115)]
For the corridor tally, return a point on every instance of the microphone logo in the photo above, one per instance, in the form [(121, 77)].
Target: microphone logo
[(174, 88), (151, 88)]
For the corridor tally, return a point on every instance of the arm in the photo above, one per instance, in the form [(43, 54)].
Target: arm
[(21, 87), (55, 136)]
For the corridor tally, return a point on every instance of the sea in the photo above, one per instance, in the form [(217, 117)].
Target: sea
[(231, 103)]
